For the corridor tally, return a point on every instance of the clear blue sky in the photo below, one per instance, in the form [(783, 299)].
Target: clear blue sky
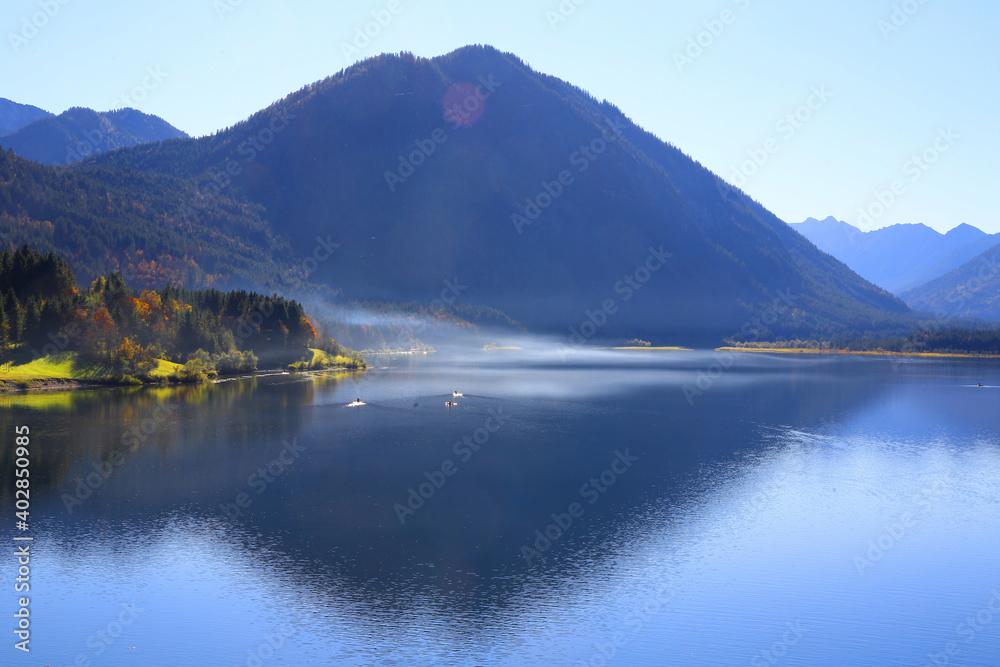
[(891, 92)]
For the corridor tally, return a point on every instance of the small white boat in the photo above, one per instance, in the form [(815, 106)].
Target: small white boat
[(355, 403), (456, 394)]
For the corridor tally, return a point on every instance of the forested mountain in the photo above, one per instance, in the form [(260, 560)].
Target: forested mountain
[(971, 290), (426, 171), (78, 133), (897, 257), (104, 220), (14, 116)]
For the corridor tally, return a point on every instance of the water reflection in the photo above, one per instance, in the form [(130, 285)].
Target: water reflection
[(744, 512)]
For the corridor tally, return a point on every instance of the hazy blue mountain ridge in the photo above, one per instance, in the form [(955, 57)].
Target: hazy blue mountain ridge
[(971, 290), (79, 133), (897, 257)]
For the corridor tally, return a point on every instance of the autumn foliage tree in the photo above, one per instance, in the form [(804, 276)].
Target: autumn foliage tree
[(99, 335), (133, 360)]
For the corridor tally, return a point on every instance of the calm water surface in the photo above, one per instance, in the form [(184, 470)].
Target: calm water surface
[(798, 511)]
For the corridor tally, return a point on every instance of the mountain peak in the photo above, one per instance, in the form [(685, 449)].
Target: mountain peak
[(374, 158), (14, 116), (827, 222), (966, 231)]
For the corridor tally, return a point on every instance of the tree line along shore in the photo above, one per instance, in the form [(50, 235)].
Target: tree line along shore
[(54, 333)]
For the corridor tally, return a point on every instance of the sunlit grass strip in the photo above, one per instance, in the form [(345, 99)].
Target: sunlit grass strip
[(68, 366), (321, 360), (164, 369), (62, 366)]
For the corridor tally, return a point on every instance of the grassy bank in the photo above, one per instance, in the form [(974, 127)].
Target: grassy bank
[(324, 360), (70, 368)]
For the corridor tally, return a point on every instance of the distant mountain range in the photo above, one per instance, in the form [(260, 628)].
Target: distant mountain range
[(14, 116), (79, 133), (971, 290), (468, 178), (899, 257)]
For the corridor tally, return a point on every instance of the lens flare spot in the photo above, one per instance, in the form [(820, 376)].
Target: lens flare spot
[(463, 104)]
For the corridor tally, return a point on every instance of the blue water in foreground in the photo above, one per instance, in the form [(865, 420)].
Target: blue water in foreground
[(795, 511)]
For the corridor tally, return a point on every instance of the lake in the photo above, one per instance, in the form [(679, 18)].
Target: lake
[(606, 508)]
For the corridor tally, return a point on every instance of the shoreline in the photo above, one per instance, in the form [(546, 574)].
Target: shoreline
[(870, 353), (45, 384), (643, 348), (41, 384), (66, 370)]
